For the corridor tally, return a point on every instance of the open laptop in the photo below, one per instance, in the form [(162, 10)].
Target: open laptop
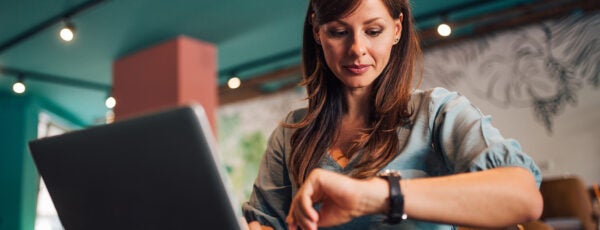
[(158, 171)]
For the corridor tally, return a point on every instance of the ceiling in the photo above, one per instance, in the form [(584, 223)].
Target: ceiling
[(254, 39)]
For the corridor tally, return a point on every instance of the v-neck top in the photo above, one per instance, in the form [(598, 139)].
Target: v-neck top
[(445, 135)]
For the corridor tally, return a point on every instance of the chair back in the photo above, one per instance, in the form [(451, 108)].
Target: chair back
[(567, 197)]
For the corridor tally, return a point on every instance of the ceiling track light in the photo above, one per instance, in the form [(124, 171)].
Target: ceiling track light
[(110, 102), (67, 33), (19, 87), (234, 82), (444, 29), (50, 23)]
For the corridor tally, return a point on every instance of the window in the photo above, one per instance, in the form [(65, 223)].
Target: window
[(46, 216)]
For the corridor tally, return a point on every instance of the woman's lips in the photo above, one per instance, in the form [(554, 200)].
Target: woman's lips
[(357, 69)]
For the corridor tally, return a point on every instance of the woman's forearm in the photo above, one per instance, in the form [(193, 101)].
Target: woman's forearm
[(493, 198)]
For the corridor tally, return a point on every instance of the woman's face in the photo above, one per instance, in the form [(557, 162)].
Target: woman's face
[(357, 47)]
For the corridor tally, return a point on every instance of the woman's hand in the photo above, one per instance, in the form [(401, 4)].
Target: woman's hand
[(254, 225), (342, 198)]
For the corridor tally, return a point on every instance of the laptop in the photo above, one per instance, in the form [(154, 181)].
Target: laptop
[(157, 171)]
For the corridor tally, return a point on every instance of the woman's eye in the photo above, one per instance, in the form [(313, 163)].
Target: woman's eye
[(373, 33), (338, 33)]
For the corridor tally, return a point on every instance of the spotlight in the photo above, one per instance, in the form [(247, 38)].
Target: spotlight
[(19, 87), (444, 30), (110, 102), (67, 33), (234, 82)]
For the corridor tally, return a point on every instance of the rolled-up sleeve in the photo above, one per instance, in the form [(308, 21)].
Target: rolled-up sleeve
[(468, 140), (271, 195)]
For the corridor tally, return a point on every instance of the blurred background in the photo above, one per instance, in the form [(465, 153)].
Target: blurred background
[(531, 64)]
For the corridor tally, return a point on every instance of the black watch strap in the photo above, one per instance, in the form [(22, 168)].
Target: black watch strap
[(396, 212)]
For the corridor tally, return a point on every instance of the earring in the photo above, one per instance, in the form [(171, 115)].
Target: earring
[(318, 41), (396, 40)]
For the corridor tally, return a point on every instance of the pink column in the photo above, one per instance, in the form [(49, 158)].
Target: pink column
[(176, 72)]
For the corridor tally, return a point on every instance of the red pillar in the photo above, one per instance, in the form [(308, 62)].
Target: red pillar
[(176, 72)]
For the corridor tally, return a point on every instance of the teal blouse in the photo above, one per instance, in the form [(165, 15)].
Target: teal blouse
[(446, 135)]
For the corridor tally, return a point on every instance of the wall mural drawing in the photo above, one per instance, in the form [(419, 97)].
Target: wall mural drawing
[(548, 64)]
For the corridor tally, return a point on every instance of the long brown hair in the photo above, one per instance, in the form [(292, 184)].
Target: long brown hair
[(390, 96)]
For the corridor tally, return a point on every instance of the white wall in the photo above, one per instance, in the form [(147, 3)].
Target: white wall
[(552, 65)]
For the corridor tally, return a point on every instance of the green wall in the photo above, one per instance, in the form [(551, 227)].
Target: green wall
[(18, 176)]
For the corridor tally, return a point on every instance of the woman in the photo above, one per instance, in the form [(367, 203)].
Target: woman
[(323, 166)]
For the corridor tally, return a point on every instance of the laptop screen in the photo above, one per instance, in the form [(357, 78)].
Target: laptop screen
[(158, 171)]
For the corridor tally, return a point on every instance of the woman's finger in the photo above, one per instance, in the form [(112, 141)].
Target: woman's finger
[(254, 225), (300, 216), (291, 222), (306, 203)]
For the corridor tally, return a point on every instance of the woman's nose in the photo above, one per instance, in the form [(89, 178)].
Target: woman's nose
[(358, 46)]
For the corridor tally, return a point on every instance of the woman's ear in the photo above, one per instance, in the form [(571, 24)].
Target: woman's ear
[(315, 29), (398, 28)]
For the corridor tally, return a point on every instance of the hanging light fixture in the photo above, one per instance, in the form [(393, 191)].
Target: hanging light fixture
[(234, 82), (19, 87), (67, 33), (110, 102), (444, 29)]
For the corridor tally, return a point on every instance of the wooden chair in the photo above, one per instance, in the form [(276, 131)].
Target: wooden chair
[(595, 194), (533, 225), (567, 197)]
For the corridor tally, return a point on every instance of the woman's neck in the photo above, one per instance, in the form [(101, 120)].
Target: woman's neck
[(354, 119), (358, 103)]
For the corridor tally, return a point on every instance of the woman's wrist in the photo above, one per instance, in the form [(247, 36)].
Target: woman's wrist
[(375, 196)]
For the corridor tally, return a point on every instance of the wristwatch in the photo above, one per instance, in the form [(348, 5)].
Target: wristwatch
[(396, 212)]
